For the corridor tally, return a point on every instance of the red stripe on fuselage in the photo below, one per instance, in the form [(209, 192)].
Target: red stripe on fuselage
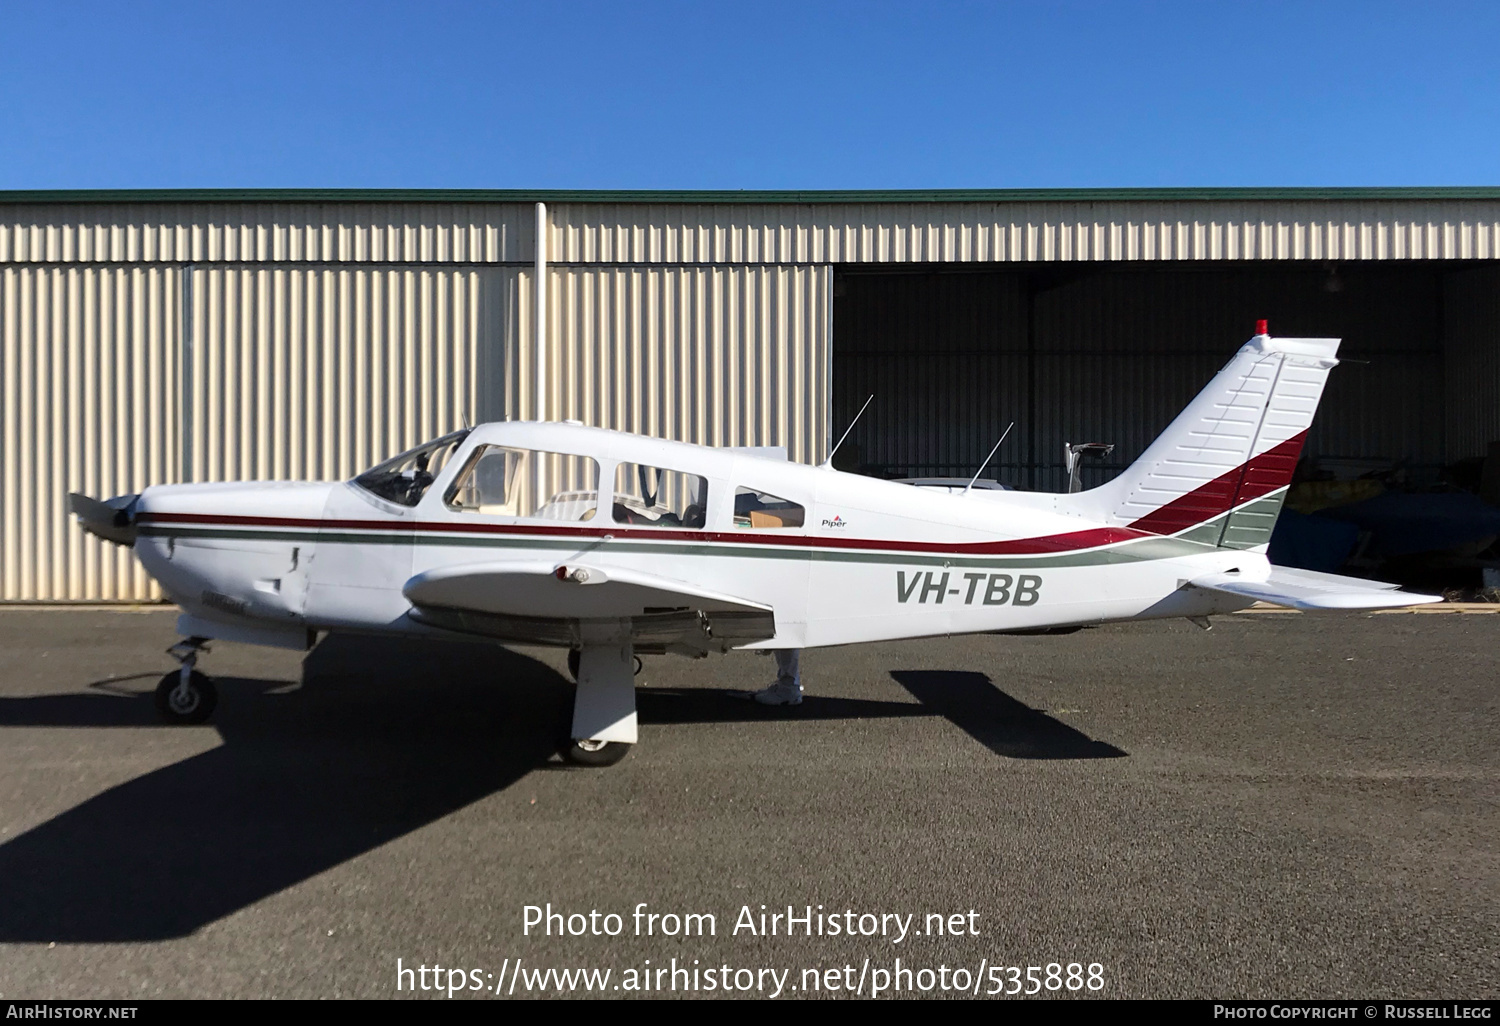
[(1260, 475), (1072, 541)]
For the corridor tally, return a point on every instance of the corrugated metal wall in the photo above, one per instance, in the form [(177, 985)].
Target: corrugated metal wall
[(308, 373), (311, 339), (90, 401), (712, 355), (1116, 356), (318, 373), (1472, 337), (944, 355), (1120, 354), (283, 373)]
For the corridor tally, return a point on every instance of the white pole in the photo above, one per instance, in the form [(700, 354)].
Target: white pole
[(539, 402)]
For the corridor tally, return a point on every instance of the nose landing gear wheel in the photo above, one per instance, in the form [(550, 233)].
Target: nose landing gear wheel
[(588, 752), (178, 704)]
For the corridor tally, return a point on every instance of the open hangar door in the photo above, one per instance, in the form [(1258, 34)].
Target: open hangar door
[(1096, 353)]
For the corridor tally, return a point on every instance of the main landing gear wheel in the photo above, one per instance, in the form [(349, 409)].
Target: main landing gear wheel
[(604, 723), (181, 702), (588, 752)]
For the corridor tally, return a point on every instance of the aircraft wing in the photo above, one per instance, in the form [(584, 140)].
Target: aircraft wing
[(1310, 590), (542, 603)]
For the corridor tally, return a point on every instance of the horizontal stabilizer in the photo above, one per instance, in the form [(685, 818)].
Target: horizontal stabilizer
[(1310, 590)]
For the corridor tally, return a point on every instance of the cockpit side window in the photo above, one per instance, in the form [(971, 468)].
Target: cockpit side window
[(760, 510), (404, 479), (654, 497), (529, 483)]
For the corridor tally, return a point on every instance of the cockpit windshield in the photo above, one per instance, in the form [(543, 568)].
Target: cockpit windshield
[(405, 479)]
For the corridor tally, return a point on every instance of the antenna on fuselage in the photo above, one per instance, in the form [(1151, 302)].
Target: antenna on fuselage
[(988, 458), (829, 461)]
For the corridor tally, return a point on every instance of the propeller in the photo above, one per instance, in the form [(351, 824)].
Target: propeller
[(113, 520)]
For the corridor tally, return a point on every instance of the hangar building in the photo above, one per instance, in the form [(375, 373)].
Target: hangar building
[(219, 335)]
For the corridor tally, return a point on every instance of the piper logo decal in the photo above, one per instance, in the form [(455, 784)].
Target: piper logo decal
[(837, 521), (986, 589)]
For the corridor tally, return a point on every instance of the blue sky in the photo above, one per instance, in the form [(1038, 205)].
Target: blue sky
[(747, 95)]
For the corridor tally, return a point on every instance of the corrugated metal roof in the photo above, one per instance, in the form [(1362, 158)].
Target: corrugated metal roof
[(990, 232), (738, 233), (267, 232)]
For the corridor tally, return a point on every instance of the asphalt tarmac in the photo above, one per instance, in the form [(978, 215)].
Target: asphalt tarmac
[(1285, 806)]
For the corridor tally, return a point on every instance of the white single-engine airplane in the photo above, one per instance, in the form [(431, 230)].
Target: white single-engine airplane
[(612, 544)]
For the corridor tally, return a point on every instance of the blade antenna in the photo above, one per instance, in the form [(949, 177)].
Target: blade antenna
[(829, 461), (988, 458)]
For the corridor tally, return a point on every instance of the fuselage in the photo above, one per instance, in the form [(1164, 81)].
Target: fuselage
[(840, 558)]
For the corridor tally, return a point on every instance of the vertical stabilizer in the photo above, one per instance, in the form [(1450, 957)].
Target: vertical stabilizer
[(1220, 472)]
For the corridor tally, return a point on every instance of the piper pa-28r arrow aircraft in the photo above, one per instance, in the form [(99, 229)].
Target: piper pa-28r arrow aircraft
[(613, 544)]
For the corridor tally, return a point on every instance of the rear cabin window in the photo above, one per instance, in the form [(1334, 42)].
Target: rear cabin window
[(531, 483), (763, 511), (654, 497)]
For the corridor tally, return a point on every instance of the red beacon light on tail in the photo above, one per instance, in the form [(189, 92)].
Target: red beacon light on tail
[(1260, 328)]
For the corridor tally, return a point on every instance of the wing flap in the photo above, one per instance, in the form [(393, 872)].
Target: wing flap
[(1310, 590)]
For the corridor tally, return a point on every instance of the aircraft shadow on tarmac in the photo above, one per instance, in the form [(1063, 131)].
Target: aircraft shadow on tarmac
[(310, 777), (997, 721)]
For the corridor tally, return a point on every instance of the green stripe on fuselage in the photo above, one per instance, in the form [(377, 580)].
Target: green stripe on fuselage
[(1133, 551), (1244, 528), (1251, 525)]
